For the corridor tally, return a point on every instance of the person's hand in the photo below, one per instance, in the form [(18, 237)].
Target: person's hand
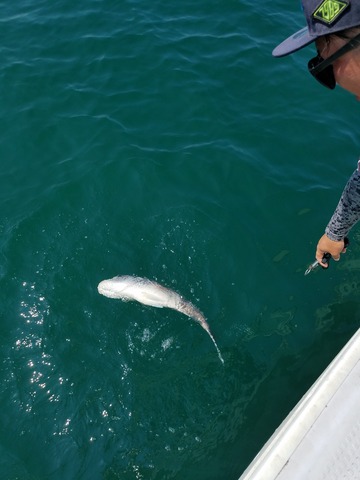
[(326, 245)]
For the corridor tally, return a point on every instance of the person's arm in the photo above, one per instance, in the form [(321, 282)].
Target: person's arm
[(346, 214)]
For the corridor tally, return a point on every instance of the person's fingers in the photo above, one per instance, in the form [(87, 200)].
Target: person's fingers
[(320, 257)]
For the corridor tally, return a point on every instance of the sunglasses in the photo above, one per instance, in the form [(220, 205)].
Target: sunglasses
[(322, 70)]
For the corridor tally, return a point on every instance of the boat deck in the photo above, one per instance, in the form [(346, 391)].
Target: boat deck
[(320, 438)]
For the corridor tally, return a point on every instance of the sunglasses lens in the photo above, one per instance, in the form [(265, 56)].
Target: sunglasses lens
[(325, 76)]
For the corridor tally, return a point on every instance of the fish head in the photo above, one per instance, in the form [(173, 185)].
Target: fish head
[(117, 287)]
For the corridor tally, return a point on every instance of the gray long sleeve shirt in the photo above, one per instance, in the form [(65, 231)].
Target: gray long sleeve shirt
[(347, 212)]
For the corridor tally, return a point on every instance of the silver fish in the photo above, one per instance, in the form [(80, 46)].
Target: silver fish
[(148, 292)]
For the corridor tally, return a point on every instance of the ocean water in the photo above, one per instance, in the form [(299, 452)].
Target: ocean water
[(161, 139)]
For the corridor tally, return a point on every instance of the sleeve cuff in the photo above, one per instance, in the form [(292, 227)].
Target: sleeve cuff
[(333, 236)]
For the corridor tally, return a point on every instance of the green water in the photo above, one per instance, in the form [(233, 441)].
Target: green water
[(162, 140)]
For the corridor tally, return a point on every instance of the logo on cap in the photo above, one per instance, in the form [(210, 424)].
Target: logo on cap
[(329, 11)]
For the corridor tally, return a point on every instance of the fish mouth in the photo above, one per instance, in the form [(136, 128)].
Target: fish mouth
[(109, 291), (103, 289)]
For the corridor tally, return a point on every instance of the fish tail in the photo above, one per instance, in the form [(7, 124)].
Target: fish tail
[(187, 308)]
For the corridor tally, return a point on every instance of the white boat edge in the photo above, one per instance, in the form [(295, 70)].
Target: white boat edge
[(273, 458)]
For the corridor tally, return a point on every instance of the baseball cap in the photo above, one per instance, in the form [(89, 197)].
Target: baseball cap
[(323, 18)]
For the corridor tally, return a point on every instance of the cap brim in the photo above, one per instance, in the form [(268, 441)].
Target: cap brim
[(294, 43)]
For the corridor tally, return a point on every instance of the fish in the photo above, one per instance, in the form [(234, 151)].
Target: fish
[(151, 293)]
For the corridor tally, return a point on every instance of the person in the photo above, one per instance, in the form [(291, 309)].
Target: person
[(334, 26)]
